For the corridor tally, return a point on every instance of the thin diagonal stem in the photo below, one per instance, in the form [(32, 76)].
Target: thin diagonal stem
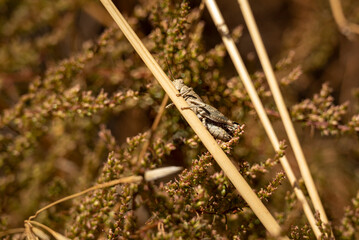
[(244, 76), (12, 231), (345, 27), (55, 234), (130, 179), (153, 127), (278, 98)]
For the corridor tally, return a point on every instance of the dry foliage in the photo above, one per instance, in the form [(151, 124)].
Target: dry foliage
[(77, 104)]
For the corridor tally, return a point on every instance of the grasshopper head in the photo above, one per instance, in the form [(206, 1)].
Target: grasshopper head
[(178, 83)]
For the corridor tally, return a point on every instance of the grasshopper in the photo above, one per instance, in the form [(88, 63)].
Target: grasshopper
[(204, 111), (216, 123)]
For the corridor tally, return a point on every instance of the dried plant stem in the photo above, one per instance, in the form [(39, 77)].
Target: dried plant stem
[(130, 179), (278, 98), (55, 234), (11, 231), (223, 161), (242, 71), (345, 27), (153, 127)]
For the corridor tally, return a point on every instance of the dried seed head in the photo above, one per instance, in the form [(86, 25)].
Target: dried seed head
[(154, 174)]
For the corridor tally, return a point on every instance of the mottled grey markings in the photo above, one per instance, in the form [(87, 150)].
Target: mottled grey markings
[(217, 124)]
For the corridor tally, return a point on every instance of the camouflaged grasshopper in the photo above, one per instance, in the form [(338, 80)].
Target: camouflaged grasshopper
[(216, 123)]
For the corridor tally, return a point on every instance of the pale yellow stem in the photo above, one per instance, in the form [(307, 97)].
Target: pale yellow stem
[(244, 76), (131, 179), (12, 231), (278, 98), (344, 26), (55, 234)]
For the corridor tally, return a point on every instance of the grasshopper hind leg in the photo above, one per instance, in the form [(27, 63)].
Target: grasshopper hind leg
[(216, 130)]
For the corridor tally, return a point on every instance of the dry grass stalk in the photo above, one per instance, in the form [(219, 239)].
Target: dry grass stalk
[(244, 76), (153, 128), (33, 230), (278, 98), (347, 28), (28, 230), (130, 179)]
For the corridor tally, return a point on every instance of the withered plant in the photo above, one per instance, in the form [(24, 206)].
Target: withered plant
[(78, 108)]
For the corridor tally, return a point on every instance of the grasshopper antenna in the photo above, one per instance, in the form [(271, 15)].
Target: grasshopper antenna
[(168, 66), (169, 69)]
